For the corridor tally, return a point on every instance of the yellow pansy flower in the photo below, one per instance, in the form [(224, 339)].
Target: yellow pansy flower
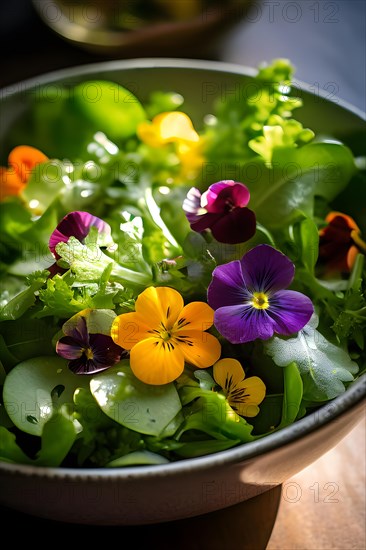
[(191, 158), (163, 334), (176, 127), (243, 394), (170, 127)]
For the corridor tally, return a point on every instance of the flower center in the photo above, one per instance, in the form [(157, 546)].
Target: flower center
[(229, 205), (88, 353), (165, 335), (260, 300)]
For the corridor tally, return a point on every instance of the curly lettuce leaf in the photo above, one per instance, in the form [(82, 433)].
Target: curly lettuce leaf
[(24, 300), (240, 115), (88, 263)]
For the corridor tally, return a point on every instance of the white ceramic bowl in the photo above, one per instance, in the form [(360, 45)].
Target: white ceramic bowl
[(153, 494)]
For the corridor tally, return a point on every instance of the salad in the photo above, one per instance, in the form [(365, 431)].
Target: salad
[(173, 287)]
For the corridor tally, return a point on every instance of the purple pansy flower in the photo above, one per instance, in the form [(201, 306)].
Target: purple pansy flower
[(77, 224), (88, 353), (223, 210), (249, 299)]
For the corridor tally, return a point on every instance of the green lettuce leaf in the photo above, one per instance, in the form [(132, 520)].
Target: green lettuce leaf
[(296, 177), (324, 367), (128, 401)]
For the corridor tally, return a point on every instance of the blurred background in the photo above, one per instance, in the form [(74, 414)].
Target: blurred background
[(325, 40)]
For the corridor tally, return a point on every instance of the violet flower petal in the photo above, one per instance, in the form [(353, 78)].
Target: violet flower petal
[(240, 323), (105, 351), (192, 205), (205, 221), (81, 365), (240, 195), (235, 227), (227, 287), (82, 329), (290, 311), (69, 348), (222, 196), (79, 332), (210, 196), (265, 269), (88, 353), (222, 209), (77, 224)]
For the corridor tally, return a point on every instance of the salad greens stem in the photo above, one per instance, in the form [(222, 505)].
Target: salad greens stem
[(124, 275), (154, 211), (265, 231)]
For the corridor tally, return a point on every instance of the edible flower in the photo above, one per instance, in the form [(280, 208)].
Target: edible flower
[(162, 334), (243, 394), (21, 160), (175, 127), (87, 352), (78, 224), (170, 127), (249, 299), (339, 243), (223, 210)]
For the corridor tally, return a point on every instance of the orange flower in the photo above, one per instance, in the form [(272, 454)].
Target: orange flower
[(22, 159), (340, 242), (163, 334)]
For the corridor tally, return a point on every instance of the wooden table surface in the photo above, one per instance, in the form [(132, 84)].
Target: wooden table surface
[(324, 506)]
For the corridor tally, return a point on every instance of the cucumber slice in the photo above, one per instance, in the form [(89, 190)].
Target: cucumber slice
[(35, 388)]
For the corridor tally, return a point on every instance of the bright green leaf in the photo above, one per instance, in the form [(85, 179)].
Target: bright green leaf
[(58, 436), (137, 458), (309, 239), (297, 176), (212, 415), (140, 407), (111, 108), (292, 397), (324, 367), (10, 450)]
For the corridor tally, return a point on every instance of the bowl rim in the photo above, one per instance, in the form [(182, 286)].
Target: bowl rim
[(330, 412), (11, 90)]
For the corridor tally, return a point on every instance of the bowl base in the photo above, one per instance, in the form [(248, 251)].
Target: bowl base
[(246, 525)]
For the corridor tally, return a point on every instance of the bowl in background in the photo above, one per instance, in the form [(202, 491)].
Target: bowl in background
[(149, 28), (190, 487)]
